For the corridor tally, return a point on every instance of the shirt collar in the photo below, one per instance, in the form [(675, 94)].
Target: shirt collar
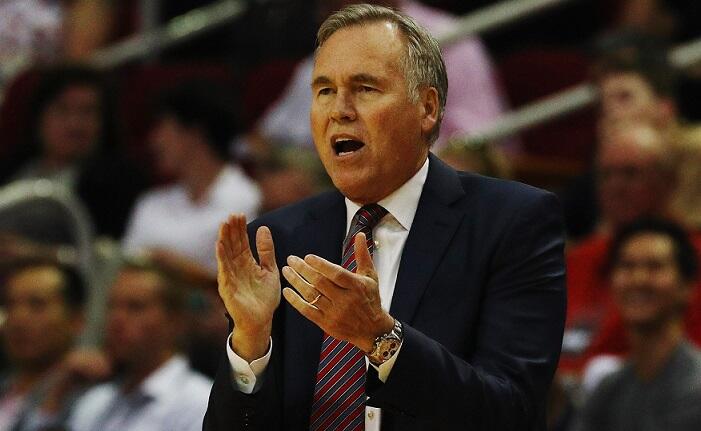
[(165, 379), (401, 203)]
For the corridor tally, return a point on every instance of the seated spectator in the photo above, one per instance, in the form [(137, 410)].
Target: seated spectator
[(44, 306), (290, 175), (190, 142), (474, 97), (637, 84), (653, 266), (46, 31), (152, 387), (635, 178), (70, 140)]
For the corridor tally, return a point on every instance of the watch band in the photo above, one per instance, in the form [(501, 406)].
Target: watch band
[(386, 345)]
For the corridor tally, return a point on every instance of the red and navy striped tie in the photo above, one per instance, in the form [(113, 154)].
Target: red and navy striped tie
[(339, 394)]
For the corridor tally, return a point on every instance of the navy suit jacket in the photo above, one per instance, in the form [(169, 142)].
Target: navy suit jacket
[(481, 294)]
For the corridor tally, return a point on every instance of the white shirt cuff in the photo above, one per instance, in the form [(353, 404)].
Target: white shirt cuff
[(385, 368), (247, 377)]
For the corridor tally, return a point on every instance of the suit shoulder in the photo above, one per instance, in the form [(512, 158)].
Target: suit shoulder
[(501, 192), (294, 214)]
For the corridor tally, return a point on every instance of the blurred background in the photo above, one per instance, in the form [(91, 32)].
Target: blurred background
[(129, 129)]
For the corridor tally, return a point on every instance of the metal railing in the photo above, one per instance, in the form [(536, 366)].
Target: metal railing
[(563, 103), (34, 191)]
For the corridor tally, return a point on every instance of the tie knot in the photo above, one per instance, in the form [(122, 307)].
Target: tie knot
[(369, 215)]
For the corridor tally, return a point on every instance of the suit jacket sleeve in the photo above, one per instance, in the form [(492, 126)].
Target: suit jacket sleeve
[(502, 383), (231, 410)]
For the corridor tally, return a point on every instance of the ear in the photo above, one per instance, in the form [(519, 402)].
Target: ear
[(429, 107)]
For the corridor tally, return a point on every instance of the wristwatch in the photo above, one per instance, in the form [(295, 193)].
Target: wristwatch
[(386, 345)]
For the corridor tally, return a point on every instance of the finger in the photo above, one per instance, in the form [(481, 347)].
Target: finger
[(237, 240), (242, 234), (309, 311), (336, 274), (266, 248), (223, 251), (308, 292), (320, 282), (363, 259)]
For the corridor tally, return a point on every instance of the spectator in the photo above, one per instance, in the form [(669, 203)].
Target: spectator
[(153, 387), (653, 266), (638, 84), (635, 178), (50, 30), (71, 140), (44, 304), (190, 141), (474, 97)]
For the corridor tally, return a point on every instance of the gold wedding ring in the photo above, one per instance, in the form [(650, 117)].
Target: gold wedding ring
[(315, 299)]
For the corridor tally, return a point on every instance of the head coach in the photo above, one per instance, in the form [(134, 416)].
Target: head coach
[(418, 298)]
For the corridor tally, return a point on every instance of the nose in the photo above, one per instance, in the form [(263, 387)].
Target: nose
[(343, 107)]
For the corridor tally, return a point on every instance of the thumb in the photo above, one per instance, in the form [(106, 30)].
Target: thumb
[(363, 259), (266, 248)]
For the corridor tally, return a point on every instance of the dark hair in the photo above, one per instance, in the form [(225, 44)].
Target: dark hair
[(632, 52), (53, 81), (73, 289), (206, 105), (684, 251), (172, 289)]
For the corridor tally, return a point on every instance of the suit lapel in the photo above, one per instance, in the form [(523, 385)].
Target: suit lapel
[(433, 227), (322, 234)]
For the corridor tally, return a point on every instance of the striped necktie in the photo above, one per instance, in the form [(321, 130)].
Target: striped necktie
[(339, 394)]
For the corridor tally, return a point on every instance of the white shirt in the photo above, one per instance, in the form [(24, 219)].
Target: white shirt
[(167, 218), (390, 235), (172, 398)]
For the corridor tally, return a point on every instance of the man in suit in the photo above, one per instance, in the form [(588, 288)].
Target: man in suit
[(449, 286)]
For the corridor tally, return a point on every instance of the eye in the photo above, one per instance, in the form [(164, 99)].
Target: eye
[(366, 89), (324, 91)]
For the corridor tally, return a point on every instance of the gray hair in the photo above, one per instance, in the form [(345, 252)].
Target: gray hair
[(422, 63)]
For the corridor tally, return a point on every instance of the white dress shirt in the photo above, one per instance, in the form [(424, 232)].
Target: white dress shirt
[(167, 217), (390, 235), (173, 398)]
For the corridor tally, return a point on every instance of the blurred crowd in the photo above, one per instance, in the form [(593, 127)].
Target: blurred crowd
[(113, 184)]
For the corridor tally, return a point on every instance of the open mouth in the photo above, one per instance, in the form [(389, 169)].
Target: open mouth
[(343, 146)]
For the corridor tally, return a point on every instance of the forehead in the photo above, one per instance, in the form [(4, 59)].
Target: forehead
[(374, 48), (631, 147), (648, 245), (136, 284), (625, 80), (42, 281)]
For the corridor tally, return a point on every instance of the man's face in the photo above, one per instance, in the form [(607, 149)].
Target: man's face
[(369, 135), (71, 123), (630, 181), (40, 325), (139, 327), (647, 285), (170, 144), (627, 97)]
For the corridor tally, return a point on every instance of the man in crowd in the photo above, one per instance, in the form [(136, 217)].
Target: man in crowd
[(652, 268), (44, 305), (152, 386), (449, 285), (194, 126), (635, 178)]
